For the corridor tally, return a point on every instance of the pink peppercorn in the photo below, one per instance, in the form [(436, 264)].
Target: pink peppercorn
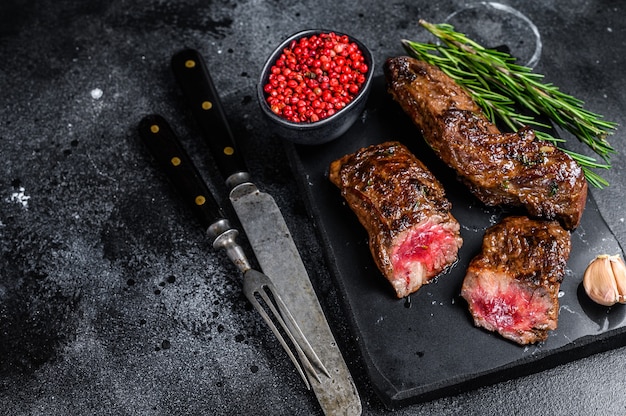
[(315, 77)]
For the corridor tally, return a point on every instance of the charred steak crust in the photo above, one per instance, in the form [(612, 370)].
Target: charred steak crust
[(499, 168), (512, 286), (412, 234)]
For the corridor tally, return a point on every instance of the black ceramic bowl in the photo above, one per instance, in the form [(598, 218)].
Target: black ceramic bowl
[(326, 129)]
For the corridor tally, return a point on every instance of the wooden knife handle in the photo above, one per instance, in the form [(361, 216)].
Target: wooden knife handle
[(171, 156), (199, 91)]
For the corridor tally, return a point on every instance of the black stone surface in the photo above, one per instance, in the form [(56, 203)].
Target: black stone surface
[(111, 300)]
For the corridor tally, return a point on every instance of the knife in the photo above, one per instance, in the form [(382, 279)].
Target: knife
[(268, 234), (170, 154)]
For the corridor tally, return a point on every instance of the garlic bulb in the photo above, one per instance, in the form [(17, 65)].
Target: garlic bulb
[(605, 280)]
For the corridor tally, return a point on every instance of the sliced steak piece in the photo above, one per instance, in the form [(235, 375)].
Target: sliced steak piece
[(512, 286), (510, 168), (412, 234)]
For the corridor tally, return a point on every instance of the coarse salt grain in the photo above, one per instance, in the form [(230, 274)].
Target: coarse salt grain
[(20, 197), (96, 93)]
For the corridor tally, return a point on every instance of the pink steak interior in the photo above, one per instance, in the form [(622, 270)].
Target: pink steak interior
[(422, 253), (509, 307)]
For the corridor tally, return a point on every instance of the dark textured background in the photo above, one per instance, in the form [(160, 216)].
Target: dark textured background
[(111, 300)]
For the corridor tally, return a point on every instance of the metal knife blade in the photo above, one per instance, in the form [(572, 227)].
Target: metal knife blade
[(268, 235)]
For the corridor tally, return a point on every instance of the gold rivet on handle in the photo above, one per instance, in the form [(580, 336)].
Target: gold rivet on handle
[(200, 200), (175, 161), (228, 151), (207, 105), (190, 63), (154, 128)]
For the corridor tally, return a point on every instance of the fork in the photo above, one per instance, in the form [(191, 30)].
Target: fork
[(257, 287)]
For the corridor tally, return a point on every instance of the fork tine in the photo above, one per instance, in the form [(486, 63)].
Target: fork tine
[(296, 332), (257, 283), (306, 363), (276, 332), (293, 329)]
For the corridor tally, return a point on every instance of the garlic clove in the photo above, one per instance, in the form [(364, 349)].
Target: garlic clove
[(600, 281), (619, 272)]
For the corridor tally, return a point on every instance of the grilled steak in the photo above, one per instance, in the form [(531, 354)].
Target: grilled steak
[(499, 168), (412, 235), (512, 286)]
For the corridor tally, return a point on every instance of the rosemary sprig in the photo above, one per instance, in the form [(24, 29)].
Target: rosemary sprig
[(500, 86)]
